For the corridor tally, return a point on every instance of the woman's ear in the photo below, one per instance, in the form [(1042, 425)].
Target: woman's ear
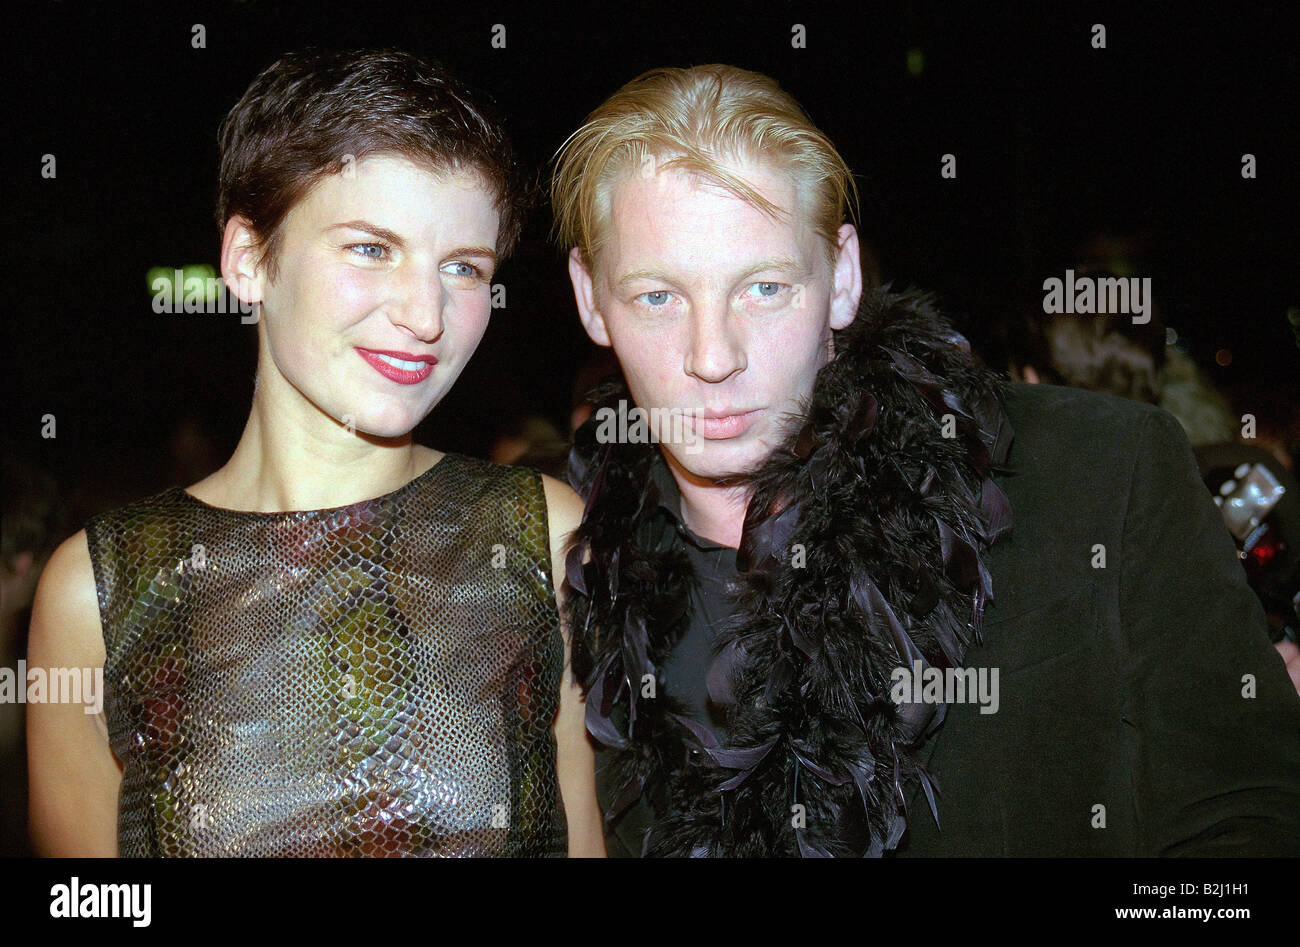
[(241, 254)]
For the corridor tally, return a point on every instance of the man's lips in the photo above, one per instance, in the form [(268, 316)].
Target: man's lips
[(723, 423), (404, 368)]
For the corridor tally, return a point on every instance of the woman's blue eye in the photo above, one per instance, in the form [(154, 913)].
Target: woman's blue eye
[(363, 249), (655, 299), (465, 269), (768, 289)]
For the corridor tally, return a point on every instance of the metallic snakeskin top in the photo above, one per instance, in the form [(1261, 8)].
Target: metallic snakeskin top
[(376, 679)]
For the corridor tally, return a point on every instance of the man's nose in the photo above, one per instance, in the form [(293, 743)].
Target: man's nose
[(716, 349)]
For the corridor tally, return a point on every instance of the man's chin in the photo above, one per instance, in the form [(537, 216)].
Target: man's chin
[(707, 459)]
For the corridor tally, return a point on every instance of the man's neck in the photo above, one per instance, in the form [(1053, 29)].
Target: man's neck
[(710, 510)]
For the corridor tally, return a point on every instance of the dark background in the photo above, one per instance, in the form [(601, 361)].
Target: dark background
[(1054, 141)]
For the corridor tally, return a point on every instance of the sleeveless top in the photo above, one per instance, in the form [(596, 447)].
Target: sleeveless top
[(376, 679)]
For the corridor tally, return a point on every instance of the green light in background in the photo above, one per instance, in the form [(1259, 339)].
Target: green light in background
[(157, 273), (915, 61), (195, 280), (201, 277)]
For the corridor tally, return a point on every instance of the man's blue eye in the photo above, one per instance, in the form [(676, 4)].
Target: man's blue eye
[(768, 289), (655, 299)]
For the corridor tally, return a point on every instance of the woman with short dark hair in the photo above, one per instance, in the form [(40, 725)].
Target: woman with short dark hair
[(341, 642)]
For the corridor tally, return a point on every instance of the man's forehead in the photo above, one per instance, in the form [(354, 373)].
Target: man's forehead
[(668, 178), (676, 213)]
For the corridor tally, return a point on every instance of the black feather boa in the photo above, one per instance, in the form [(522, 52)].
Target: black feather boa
[(893, 518)]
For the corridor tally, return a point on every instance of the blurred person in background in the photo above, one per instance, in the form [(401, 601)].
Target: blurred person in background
[(33, 524), (532, 441), (1111, 354)]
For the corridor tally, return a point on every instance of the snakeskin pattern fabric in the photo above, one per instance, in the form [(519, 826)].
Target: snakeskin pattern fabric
[(374, 680)]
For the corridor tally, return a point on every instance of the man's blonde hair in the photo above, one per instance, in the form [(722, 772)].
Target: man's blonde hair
[(697, 119)]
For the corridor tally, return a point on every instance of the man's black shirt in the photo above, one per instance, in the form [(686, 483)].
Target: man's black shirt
[(683, 674)]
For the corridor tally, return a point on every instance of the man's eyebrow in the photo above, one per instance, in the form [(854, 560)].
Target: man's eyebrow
[(635, 275), (775, 264), (780, 264), (486, 252)]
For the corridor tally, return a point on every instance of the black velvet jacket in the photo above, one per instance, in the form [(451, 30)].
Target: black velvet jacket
[(1143, 711)]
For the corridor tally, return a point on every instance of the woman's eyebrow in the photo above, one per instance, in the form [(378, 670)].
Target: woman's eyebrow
[(384, 233), (374, 229)]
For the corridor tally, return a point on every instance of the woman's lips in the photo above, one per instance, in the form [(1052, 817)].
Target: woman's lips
[(398, 367), (726, 426)]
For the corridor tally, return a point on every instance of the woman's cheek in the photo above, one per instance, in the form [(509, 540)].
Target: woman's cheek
[(351, 294), (465, 327)]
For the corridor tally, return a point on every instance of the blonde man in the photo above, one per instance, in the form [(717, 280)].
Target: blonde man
[(786, 625)]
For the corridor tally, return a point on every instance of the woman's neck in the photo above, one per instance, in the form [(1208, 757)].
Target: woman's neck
[(292, 456)]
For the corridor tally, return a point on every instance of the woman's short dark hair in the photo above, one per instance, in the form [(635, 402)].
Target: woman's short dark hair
[(311, 111)]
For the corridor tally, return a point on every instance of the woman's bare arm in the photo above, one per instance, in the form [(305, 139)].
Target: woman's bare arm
[(575, 758), (74, 777)]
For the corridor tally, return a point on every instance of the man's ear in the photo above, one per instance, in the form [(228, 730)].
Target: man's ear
[(584, 293), (240, 253), (847, 292)]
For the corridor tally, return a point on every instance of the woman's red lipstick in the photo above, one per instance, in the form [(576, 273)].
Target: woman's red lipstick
[(403, 374)]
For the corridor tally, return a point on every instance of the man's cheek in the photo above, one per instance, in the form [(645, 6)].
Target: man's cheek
[(651, 383), (800, 358), (667, 384)]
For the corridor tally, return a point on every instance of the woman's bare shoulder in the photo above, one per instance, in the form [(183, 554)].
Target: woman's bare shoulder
[(65, 613), (563, 508)]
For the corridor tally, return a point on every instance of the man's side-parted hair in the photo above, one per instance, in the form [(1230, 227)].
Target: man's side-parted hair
[(311, 111), (697, 119)]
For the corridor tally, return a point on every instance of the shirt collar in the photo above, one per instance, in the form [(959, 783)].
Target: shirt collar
[(670, 503)]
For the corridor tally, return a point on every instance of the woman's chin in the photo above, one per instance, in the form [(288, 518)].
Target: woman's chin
[(381, 428)]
